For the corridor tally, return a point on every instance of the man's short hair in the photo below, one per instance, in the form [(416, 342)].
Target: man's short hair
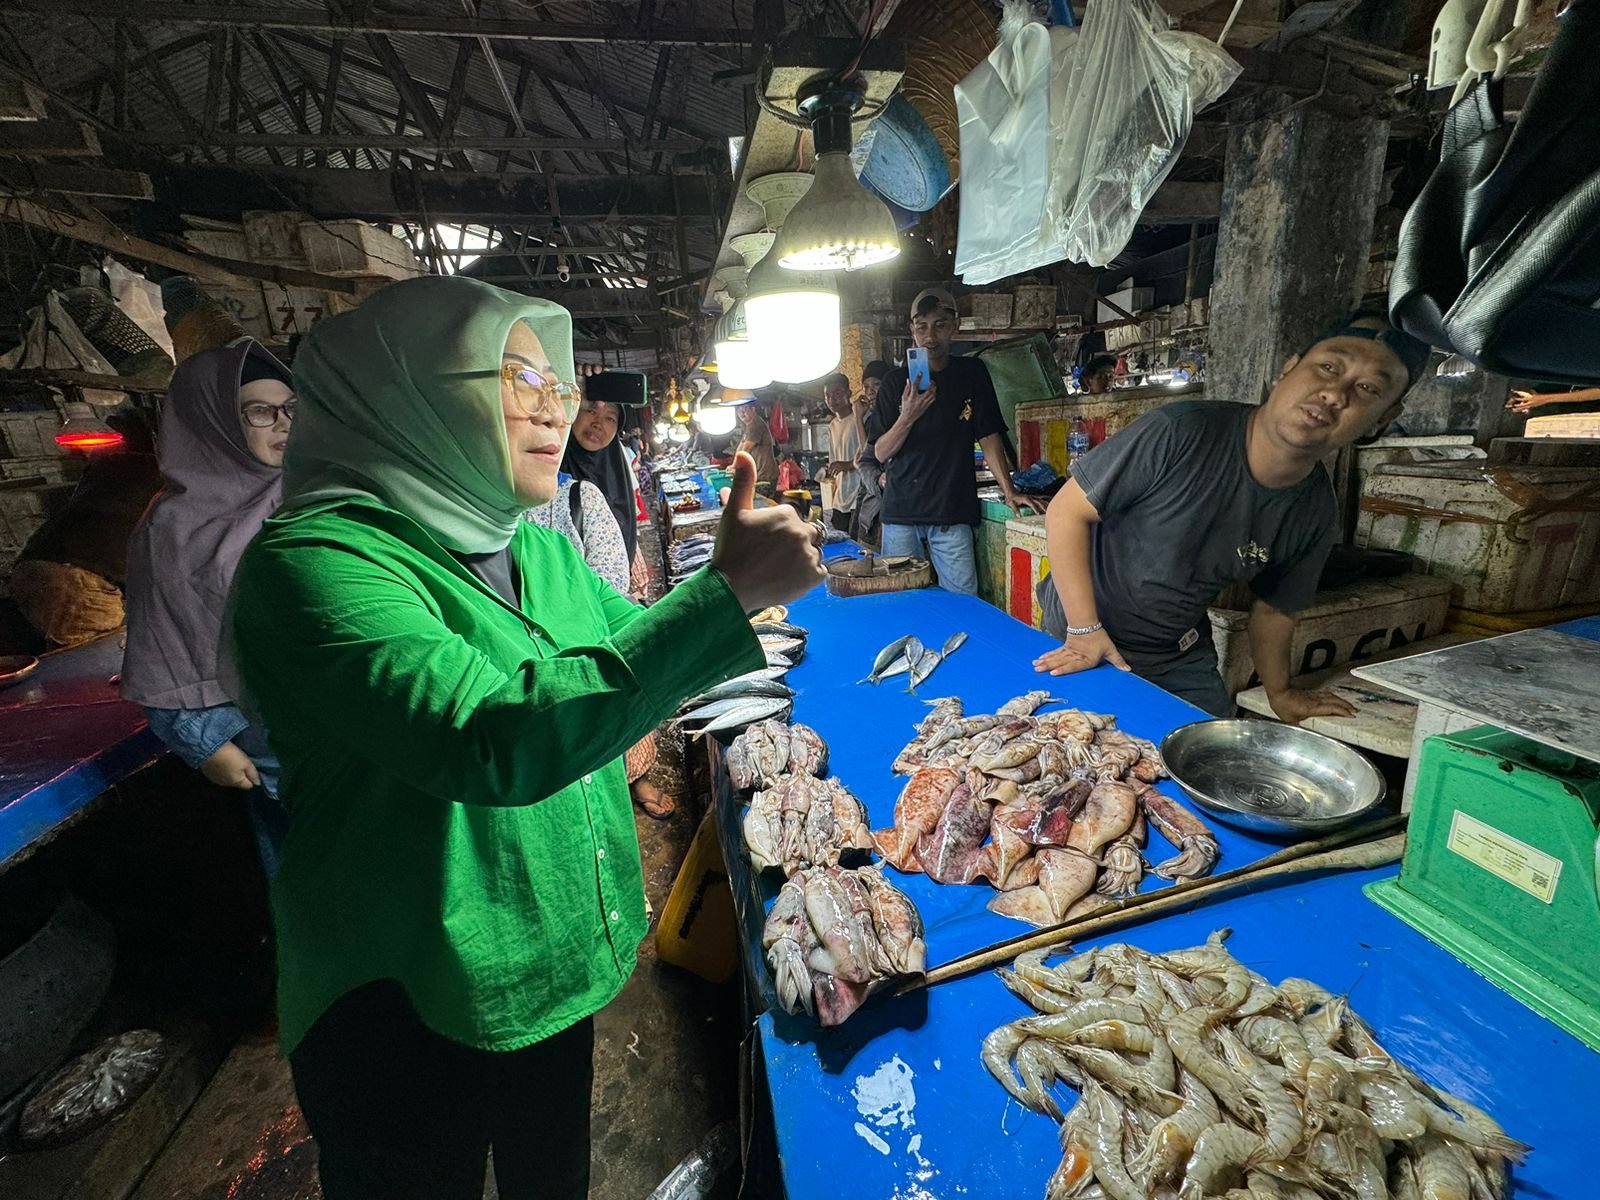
[(876, 369), (836, 377), (1100, 362), (1373, 324)]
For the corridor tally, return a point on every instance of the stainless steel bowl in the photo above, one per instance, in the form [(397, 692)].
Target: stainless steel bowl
[(1270, 778)]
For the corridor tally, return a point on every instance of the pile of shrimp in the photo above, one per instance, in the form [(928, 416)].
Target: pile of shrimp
[(1197, 1078)]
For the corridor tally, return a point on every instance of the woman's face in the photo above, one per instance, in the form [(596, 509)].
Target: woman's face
[(596, 426), (528, 385), (266, 410)]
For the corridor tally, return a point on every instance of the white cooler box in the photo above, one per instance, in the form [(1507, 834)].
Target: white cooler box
[(1507, 538)]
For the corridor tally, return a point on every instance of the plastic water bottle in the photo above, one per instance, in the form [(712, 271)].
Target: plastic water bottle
[(1078, 440)]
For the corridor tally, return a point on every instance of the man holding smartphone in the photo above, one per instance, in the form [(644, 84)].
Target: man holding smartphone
[(923, 431)]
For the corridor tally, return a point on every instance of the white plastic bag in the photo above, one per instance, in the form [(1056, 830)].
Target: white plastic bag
[(1130, 100), (1004, 110)]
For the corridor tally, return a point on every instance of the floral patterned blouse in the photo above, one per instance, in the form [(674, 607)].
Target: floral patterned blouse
[(600, 543)]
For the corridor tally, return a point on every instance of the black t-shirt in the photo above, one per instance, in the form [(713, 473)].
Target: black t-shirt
[(932, 481), (1181, 518)]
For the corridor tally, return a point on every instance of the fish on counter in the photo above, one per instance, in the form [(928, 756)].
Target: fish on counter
[(734, 713), (769, 750), (835, 936), (908, 656), (1050, 809), (1197, 1078)]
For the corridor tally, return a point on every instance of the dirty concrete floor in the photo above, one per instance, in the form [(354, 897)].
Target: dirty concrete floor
[(665, 1073)]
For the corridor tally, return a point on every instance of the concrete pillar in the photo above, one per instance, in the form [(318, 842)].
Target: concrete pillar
[(1299, 195)]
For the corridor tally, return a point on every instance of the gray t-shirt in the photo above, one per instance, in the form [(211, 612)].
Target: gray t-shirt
[(1181, 518)]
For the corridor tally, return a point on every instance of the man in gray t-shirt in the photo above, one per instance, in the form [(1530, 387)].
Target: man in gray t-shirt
[(1198, 495)]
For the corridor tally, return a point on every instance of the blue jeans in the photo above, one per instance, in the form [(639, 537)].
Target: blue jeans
[(947, 547)]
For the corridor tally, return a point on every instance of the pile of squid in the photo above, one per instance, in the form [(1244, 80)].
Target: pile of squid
[(1051, 809), (1197, 1078), (837, 933), (835, 936)]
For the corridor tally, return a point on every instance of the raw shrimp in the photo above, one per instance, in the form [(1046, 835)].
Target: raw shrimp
[(1220, 1151), (1173, 1139), (1105, 1145)]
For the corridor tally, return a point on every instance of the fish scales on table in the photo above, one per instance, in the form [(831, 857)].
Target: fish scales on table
[(837, 935), (1197, 1078), (991, 793)]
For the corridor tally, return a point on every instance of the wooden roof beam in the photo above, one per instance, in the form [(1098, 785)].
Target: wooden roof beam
[(165, 12)]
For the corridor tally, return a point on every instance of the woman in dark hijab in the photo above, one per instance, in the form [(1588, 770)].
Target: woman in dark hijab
[(595, 455)]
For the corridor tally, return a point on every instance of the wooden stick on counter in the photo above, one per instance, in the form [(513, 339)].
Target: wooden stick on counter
[(1332, 853)]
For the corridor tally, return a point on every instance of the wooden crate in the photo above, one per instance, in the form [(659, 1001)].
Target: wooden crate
[(1507, 538)]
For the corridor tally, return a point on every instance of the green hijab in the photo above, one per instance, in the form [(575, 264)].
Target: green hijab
[(400, 401)]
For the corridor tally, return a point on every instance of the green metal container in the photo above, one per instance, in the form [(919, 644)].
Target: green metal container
[(1500, 869)]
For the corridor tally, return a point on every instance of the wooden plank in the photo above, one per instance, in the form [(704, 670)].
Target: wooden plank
[(97, 232), (20, 100), (49, 139), (26, 176), (165, 12)]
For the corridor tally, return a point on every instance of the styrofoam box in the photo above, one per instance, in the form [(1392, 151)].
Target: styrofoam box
[(30, 434), (274, 237), (1345, 625), (356, 248), (1133, 299), (221, 243), (1507, 538)]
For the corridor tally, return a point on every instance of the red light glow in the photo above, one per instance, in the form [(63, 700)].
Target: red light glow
[(88, 439)]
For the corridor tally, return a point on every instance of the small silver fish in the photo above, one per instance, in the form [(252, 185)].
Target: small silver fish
[(885, 658), (781, 661), (744, 712), (737, 688), (781, 629), (955, 642), (772, 643), (914, 650)]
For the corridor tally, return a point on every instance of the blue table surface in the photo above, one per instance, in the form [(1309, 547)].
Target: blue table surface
[(953, 1131), (65, 737)]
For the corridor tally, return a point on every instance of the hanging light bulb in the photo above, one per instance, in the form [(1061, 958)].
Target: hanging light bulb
[(738, 364), (716, 419), (678, 411), (84, 430), (793, 321), (837, 225), (679, 433)]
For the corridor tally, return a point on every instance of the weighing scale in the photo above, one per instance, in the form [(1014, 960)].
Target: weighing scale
[(1501, 862)]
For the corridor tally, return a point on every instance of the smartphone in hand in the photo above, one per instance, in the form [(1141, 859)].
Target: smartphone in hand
[(917, 368)]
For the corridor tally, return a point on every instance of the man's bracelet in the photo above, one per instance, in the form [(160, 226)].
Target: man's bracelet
[(1087, 629)]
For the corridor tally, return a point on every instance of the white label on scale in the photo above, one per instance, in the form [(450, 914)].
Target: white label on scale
[(1518, 863)]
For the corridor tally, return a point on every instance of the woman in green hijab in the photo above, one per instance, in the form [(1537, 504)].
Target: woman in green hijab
[(450, 691)]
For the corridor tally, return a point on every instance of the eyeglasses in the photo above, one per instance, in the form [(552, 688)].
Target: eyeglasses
[(261, 415), (535, 395)]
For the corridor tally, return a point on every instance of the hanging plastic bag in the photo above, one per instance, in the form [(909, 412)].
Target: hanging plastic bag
[(1129, 103), (1005, 113)]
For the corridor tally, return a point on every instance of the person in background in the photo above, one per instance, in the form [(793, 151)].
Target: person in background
[(841, 478), (1099, 374), (451, 691), (581, 514), (224, 428), (869, 524), (791, 475), (925, 438), (1198, 495), (595, 454), (755, 439), (67, 582)]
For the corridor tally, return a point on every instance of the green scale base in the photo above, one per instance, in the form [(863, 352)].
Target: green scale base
[(1500, 869)]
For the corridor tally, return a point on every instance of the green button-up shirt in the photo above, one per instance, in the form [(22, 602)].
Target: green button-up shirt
[(459, 816)]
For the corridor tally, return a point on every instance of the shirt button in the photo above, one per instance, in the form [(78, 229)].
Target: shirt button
[(588, 779), (615, 916), (600, 853)]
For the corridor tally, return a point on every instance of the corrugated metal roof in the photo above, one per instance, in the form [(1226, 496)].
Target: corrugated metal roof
[(75, 55)]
